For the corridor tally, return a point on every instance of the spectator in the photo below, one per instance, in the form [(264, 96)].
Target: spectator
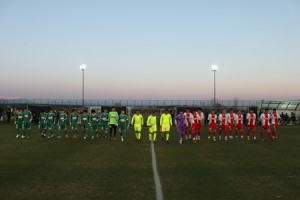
[(245, 117), (286, 117), (293, 118), (172, 114), (8, 114)]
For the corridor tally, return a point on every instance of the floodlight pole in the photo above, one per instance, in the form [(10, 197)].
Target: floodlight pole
[(82, 88), (82, 68), (214, 89), (214, 68)]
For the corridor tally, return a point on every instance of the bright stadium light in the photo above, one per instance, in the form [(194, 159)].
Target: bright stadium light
[(83, 68), (214, 68)]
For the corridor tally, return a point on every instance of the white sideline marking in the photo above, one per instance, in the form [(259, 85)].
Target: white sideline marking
[(159, 195)]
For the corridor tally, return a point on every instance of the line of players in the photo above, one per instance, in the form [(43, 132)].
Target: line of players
[(109, 123), (188, 124), (231, 121)]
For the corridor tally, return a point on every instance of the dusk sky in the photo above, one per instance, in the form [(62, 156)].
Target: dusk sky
[(150, 49)]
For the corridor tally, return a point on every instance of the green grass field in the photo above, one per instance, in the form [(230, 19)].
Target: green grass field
[(39, 168)]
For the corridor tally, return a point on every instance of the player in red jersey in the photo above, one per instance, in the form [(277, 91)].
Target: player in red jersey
[(201, 116), (275, 117), (231, 124), (195, 125), (265, 124), (212, 123), (223, 121), (251, 118), (239, 128), (189, 121)]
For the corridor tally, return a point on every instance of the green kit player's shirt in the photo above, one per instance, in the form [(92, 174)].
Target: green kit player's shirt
[(62, 119), (43, 118), (50, 118), (85, 119), (94, 119), (27, 116), (113, 117), (19, 118), (104, 118), (123, 120), (74, 118)]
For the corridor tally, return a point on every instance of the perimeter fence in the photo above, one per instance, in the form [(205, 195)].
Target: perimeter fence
[(133, 103)]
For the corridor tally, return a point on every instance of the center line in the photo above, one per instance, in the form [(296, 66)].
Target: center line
[(159, 195)]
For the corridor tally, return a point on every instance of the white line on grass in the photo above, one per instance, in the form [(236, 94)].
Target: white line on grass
[(159, 195)]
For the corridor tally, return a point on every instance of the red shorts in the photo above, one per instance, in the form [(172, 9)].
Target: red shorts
[(200, 126), (231, 126), (212, 126), (223, 127), (196, 127), (239, 127), (251, 127), (265, 127), (188, 126), (275, 125)]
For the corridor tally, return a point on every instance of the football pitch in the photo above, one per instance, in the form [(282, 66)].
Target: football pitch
[(39, 168)]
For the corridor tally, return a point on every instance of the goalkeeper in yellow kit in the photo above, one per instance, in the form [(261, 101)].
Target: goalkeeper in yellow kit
[(137, 121), (152, 124), (165, 125)]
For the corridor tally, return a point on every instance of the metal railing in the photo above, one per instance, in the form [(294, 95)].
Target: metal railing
[(132, 103)]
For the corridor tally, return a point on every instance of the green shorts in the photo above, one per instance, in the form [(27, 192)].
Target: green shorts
[(62, 127), (104, 125), (20, 125), (27, 125), (49, 125), (85, 126), (74, 126), (94, 127), (42, 126), (122, 127)]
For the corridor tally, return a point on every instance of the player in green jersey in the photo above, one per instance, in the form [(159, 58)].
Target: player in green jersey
[(123, 124), (85, 122), (74, 121), (94, 123), (50, 123), (113, 123), (43, 123), (19, 122), (104, 119), (62, 124), (27, 122), (152, 124), (137, 121)]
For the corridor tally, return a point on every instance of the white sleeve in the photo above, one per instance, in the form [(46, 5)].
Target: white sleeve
[(228, 118), (191, 118)]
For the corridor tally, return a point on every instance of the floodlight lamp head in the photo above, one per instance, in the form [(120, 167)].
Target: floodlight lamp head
[(214, 68), (82, 67)]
